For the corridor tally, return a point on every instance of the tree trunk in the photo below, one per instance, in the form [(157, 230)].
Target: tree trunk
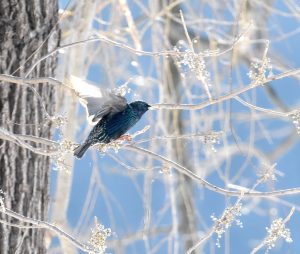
[(175, 126), (24, 176)]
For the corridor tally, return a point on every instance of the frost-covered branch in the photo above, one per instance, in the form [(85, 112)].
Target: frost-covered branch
[(48, 226), (56, 150), (227, 96), (208, 185), (276, 231), (21, 141)]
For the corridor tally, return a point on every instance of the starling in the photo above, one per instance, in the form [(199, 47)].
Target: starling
[(114, 115)]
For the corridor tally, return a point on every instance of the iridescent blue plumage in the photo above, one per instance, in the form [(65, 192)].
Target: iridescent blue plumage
[(113, 126)]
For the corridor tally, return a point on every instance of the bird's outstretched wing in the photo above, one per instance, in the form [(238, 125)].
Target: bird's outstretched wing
[(98, 102)]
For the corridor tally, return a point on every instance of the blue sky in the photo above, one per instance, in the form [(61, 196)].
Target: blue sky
[(120, 204)]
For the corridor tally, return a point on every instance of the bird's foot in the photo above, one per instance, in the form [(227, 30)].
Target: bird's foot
[(125, 138)]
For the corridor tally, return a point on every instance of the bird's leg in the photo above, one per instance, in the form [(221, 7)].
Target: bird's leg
[(125, 137)]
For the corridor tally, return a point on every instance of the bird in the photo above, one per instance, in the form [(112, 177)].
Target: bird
[(113, 114)]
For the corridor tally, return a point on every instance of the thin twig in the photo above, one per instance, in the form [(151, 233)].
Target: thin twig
[(285, 192), (208, 185), (201, 241), (124, 46), (6, 135), (268, 111), (224, 97), (262, 244), (49, 226)]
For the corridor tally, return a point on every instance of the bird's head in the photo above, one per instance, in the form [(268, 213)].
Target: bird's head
[(140, 107)]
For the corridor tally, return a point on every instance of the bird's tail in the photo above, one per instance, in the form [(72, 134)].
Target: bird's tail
[(80, 150)]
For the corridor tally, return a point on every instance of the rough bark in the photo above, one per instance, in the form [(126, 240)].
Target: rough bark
[(24, 176)]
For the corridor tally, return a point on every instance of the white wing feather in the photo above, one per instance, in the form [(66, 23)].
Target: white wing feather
[(98, 102)]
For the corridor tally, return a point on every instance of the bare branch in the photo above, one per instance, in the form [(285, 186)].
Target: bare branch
[(48, 226)]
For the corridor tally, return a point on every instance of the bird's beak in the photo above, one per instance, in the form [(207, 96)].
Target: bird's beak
[(149, 106)]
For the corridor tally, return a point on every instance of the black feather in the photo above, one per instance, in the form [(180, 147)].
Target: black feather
[(113, 126)]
